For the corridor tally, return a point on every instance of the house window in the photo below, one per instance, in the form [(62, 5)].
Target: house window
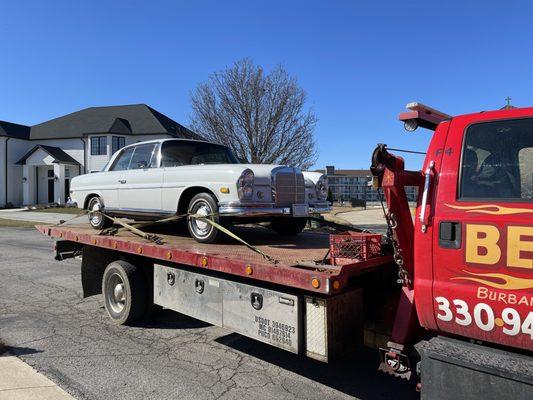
[(67, 173), (99, 146), (117, 142)]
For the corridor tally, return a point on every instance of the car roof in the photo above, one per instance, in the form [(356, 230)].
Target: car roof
[(169, 140)]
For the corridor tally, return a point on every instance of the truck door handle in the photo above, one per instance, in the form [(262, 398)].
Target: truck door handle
[(427, 182), (450, 235), (123, 181)]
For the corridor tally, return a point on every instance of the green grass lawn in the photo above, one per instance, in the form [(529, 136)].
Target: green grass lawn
[(60, 210)]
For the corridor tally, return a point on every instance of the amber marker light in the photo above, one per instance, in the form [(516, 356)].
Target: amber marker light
[(249, 270), (315, 283), (139, 250), (204, 261), (336, 285), (169, 255), (224, 190)]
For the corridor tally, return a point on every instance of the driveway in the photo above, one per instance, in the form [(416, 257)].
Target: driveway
[(47, 323)]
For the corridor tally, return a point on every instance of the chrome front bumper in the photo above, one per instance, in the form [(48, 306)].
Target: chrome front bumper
[(263, 210)]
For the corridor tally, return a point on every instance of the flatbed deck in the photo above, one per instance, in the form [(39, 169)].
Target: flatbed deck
[(301, 262)]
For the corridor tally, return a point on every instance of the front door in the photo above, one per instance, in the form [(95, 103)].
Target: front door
[(483, 232), (142, 181), (51, 186), (67, 189)]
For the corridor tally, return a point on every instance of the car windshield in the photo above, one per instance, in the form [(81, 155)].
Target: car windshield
[(175, 153)]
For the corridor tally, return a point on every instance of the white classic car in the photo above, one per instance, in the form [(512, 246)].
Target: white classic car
[(158, 178)]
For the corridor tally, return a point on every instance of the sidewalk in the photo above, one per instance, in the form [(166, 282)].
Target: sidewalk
[(20, 381)]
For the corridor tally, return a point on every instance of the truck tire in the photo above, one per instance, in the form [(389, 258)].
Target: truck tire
[(288, 226), (97, 218), (125, 292), (201, 231)]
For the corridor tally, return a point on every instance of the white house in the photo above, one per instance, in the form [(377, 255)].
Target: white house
[(37, 162)]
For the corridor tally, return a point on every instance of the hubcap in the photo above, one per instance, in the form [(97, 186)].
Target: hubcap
[(200, 227), (116, 293), (95, 215)]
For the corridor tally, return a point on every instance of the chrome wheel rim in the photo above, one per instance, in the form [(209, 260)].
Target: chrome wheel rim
[(95, 215), (116, 293), (200, 227)]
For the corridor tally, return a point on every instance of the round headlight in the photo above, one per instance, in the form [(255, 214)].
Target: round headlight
[(321, 189)]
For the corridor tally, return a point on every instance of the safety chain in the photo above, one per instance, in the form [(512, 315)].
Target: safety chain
[(403, 275)]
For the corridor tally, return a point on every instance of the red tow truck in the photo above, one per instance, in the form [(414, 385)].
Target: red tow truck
[(452, 291)]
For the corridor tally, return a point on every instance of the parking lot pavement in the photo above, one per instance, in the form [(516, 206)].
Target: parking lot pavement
[(36, 216), (46, 323), (371, 219)]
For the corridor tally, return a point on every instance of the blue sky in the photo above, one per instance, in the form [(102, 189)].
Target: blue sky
[(360, 62)]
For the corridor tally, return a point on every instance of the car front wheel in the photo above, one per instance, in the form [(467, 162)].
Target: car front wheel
[(205, 205), (97, 219)]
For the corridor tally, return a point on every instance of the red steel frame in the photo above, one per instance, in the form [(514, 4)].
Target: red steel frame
[(324, 279)]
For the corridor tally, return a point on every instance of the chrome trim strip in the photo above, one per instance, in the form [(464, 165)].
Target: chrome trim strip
[(243, 211)]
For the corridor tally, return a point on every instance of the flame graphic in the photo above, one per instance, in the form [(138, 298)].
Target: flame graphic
[(499, 281), (492, 209)]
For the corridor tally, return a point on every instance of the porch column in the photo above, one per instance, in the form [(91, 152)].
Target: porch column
[(59, 184), (29, 195)]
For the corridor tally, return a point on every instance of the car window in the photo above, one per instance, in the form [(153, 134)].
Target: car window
[(175, 153), (143, 156), (497, 161), (123, 160)]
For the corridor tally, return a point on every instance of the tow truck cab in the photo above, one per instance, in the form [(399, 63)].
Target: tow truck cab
[(473, 233)]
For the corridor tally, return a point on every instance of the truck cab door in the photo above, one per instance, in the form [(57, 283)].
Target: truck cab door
[(483, 231)]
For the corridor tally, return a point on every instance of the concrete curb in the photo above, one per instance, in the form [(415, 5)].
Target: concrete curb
[(20, 381)]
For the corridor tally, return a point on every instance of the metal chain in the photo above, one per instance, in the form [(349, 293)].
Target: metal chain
[(392, 224)]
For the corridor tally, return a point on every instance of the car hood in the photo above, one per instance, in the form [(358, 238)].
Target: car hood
[(262, 172)]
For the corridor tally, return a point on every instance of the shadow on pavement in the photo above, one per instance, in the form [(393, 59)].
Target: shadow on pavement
[(19, 351), (168, 319), (355, 376)]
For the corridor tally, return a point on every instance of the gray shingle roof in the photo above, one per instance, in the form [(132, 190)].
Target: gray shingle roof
[(56, 153), (10, 129), (134, 119)]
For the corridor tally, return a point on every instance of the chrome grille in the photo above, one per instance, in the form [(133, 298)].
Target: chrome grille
[(289, 186)]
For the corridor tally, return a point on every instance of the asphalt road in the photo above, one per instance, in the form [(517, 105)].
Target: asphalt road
[(47, 323)]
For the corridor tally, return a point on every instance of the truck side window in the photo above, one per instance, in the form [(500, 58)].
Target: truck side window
[(497, 161)]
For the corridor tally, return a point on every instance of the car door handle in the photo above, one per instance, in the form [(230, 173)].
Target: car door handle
[(123, 181)]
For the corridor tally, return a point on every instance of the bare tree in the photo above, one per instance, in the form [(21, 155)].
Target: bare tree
[(260, 116)]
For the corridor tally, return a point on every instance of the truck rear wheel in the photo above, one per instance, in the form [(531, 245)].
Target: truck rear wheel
[(288, 226), (124, 291)]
